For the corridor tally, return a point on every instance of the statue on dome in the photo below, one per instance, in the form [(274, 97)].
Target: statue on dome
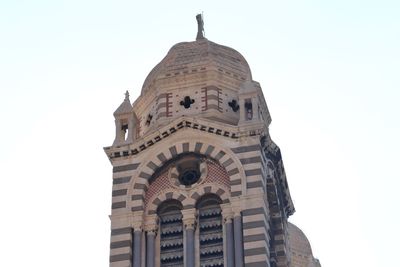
[(200, 27)]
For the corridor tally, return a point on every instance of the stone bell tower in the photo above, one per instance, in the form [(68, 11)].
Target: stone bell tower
[(197, 180)]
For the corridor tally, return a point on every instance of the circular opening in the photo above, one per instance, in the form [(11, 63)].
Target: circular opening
[(189, 177)]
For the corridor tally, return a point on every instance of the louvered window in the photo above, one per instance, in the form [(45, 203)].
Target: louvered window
[(210, 233), (171, 236)]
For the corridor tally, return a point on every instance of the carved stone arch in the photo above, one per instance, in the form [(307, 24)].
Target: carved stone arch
[(155, 201), (157, 156), (210, 188)]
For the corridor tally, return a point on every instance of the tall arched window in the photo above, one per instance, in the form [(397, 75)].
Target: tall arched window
[(171, 234), (210, 231)]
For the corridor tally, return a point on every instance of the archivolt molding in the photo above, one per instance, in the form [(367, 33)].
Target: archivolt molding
[(185, 141), (211, 188), (170, 193), (188, 200)]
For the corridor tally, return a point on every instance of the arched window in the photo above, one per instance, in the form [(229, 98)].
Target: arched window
[(171, 233), (210, 231)]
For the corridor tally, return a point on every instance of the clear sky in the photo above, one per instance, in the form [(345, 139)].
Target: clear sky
[(329, 71)]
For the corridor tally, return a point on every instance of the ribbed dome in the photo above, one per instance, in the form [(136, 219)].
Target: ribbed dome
[(189, 57)]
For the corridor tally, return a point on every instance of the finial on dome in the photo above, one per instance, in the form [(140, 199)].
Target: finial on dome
[(200, 27), (127, 95)]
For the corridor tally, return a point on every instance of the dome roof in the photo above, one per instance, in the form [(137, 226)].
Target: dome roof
[(199, 55), (298, 241), (300, 248)]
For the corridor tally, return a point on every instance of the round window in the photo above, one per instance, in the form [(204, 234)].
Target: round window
[(190, 176)]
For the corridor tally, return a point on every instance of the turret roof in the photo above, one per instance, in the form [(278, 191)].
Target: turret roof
[(125, 107)]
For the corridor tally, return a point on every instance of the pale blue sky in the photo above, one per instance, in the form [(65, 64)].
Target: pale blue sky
[(329, 71)]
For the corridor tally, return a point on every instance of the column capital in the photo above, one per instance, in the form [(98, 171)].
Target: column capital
[(151, 231), (228, 218), (189, 218), (189, 223), (151, 224), (237, 212), (137, 226), (227, 213), (137, 221), (236, 207)]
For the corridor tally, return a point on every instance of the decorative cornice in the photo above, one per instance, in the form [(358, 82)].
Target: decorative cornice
[(201, 125)]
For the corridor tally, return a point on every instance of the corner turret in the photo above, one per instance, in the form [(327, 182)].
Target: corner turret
[(125, 123)]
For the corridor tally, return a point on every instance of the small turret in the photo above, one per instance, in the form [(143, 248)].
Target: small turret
[(249, 104), (125, 123)]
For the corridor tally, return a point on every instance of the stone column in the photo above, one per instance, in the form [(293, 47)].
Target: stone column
[(238, 236), (189, 222), (228, 238), (151, 227), (150, 248), (118, 134), (137, 225), (137, 248), (131, 134)]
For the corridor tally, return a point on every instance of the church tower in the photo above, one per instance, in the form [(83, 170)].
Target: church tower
[(197, 179)]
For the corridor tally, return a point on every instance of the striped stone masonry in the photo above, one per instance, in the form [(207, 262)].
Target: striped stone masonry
[(121, 244), (123, 174), (138, 185), (211, 98), (253, 164), (278, 221), (164, 105), (147, 169), (255, 231)]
